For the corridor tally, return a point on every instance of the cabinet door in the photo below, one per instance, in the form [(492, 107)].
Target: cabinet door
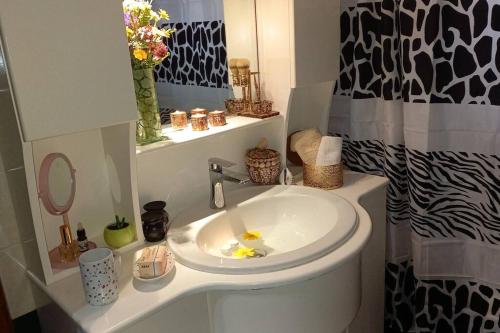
[(69, 65)]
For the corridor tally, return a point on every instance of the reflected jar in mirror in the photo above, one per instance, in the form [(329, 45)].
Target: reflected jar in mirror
[(155, 221)]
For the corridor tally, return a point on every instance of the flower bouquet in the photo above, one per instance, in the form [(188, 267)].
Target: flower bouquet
[(147, 48)]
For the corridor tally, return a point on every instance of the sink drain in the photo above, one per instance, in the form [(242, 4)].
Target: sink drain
[(259, 253)]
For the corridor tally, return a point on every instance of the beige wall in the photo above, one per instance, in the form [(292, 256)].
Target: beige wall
[(18, 247)]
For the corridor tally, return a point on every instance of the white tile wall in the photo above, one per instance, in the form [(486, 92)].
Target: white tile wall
[(178, 174), (17, 238), (11, 155)]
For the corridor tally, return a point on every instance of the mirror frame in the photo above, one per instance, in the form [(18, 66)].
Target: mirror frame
[(44, 187)]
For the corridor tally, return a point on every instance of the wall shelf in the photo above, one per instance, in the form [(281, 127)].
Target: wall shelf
[(106, 184), (188, 135)]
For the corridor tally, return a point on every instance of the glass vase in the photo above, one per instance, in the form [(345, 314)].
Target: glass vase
[(148, 127)]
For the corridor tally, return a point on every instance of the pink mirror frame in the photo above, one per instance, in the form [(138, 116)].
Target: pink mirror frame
[(44, 188)]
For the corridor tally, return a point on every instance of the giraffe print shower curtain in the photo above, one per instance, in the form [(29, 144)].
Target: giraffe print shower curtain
[(418, 100)]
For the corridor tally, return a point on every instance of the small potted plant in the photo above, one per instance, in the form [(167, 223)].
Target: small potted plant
[(119, 233)]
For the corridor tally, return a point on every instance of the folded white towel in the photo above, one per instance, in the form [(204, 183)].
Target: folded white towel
[(330, 151)]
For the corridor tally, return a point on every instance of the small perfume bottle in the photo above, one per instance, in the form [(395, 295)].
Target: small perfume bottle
[(83, 243), (68, 249)]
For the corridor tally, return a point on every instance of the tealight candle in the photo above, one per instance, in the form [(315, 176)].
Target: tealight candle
[(217, 118), (199, 111), (199, 122), (179, 120)]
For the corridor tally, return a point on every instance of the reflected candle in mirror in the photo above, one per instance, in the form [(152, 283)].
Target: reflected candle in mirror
[(199, 111), (179, 120), (199, 122), (217, 118)]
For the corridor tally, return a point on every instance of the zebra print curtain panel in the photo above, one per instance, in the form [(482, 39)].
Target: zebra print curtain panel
[(418, 100)]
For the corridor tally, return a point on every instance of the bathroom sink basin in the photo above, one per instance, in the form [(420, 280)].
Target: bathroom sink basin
[(276, 226)]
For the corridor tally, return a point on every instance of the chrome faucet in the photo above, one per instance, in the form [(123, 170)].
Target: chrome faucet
[(217, 169)]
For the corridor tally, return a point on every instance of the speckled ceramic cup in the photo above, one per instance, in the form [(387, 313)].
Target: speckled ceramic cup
[(99, 277)]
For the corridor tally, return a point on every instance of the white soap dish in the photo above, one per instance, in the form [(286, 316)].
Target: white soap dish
[(168, 269)]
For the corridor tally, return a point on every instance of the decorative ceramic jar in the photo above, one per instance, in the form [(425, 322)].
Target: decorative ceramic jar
[(199, 122), (217, 118), (264, 165), (179, 120), (155, 221), (148, 127)]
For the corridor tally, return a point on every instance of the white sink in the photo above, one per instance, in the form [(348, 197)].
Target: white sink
[(296, 226)]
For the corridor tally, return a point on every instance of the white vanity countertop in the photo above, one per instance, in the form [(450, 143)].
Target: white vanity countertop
[(139, 299)]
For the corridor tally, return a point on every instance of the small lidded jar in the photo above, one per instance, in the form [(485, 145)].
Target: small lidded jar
[(263, 164), (217, 118), (199, 111), (155, 221), (199, 122), (179, 120)]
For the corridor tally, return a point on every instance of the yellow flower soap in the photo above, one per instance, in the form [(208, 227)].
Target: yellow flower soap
[(251, 235), (153, 261), (244, 252)]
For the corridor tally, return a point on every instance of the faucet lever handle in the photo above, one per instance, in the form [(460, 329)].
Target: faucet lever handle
[(219, 162), (219, 200)]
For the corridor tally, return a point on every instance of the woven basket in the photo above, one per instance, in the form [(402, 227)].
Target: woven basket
[(264, 165), (262, 107), (325, 177), (234, 106)]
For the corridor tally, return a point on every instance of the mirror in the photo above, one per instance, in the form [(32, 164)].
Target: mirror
[(208, 33), (60, 183), (57, 184)]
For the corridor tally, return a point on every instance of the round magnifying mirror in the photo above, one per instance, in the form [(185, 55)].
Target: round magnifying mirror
[(57, 184)]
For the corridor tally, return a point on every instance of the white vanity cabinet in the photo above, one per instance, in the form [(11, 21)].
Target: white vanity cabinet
[(69, 65)]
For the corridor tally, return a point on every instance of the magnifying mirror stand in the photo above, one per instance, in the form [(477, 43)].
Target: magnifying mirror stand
[(57, 187), (65, 219)]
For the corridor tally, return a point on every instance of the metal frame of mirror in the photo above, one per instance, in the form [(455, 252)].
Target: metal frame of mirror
[(44, 183)]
